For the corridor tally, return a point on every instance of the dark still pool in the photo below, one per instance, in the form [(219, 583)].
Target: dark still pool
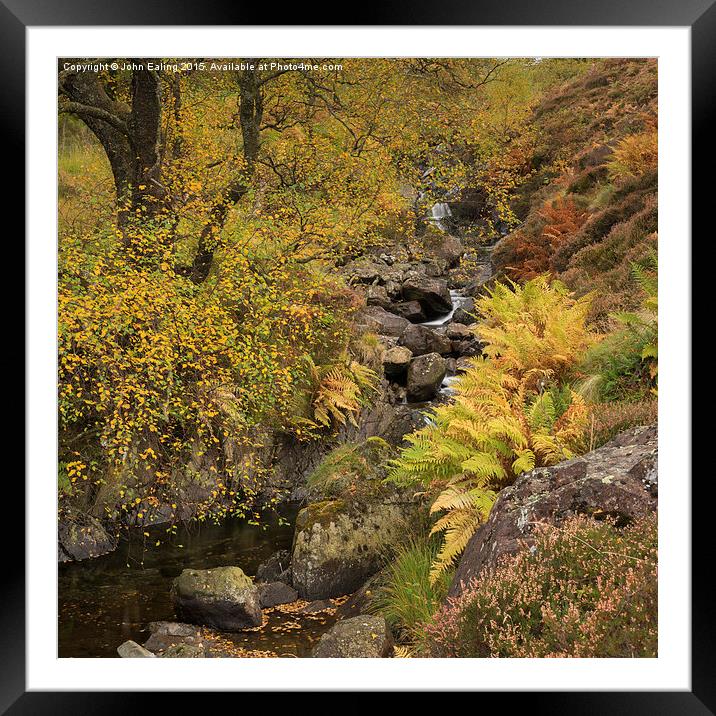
[(105, 601)]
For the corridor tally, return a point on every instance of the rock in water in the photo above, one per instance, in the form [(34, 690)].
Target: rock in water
[(337, 546), (358, 637), (425, 375), (396, 361), (277, 568), (131, 650), (272, 594), (223, 598), (617, 480), (431, 293), (421, 340)]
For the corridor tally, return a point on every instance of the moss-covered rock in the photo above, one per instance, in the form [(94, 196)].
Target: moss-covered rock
[(338, 545), (352, 470), (223, 598)]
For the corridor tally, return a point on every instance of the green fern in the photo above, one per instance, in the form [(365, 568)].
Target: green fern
[(508, 415)]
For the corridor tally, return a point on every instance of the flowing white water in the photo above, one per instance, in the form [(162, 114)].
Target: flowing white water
[(446, 387), (439, 213), (458, 301)]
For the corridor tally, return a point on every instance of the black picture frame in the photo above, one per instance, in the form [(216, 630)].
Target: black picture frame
[(699, 15)]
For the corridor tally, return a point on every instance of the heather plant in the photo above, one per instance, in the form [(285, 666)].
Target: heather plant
[(610, 418), (586, 589)]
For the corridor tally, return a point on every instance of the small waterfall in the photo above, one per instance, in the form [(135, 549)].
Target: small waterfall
[(439, 213), (458, 301)]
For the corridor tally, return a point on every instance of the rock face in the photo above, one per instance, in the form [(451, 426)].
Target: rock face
[(80, 536), (421, 340), (431, 293), (339, 545), (618, 480), (425, 375), (377, 296), (358, 637), (396, 361), (272, 594), (223, 598)]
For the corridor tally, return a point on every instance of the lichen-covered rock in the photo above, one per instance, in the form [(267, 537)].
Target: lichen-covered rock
[(131, 650), (271, 594), (223, 598), (425, 376), (358, 637), (618, 480), (422, 340), (339, 544), (396, 361), (80, 536)]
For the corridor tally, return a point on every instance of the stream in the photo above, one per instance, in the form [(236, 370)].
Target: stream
[(110, 599), (105, 601)]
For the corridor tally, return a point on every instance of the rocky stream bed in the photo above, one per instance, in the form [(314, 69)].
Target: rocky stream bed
[(299, 585)]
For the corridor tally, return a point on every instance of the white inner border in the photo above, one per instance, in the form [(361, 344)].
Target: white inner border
[(671, 671)]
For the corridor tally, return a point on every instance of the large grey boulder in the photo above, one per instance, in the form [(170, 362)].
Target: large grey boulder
[(451, 250), (358, 637), (425, 376), (466, 312), (223, 598), (421, 340), (338, 545), (378, 320), (458, 332), (432, 294), (618, 480)]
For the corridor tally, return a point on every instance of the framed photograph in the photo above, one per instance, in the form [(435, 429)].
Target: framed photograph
[(346, 369)]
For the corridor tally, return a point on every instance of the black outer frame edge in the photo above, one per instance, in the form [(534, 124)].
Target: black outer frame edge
[(700, 14), (703, 114), (395, 12)]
